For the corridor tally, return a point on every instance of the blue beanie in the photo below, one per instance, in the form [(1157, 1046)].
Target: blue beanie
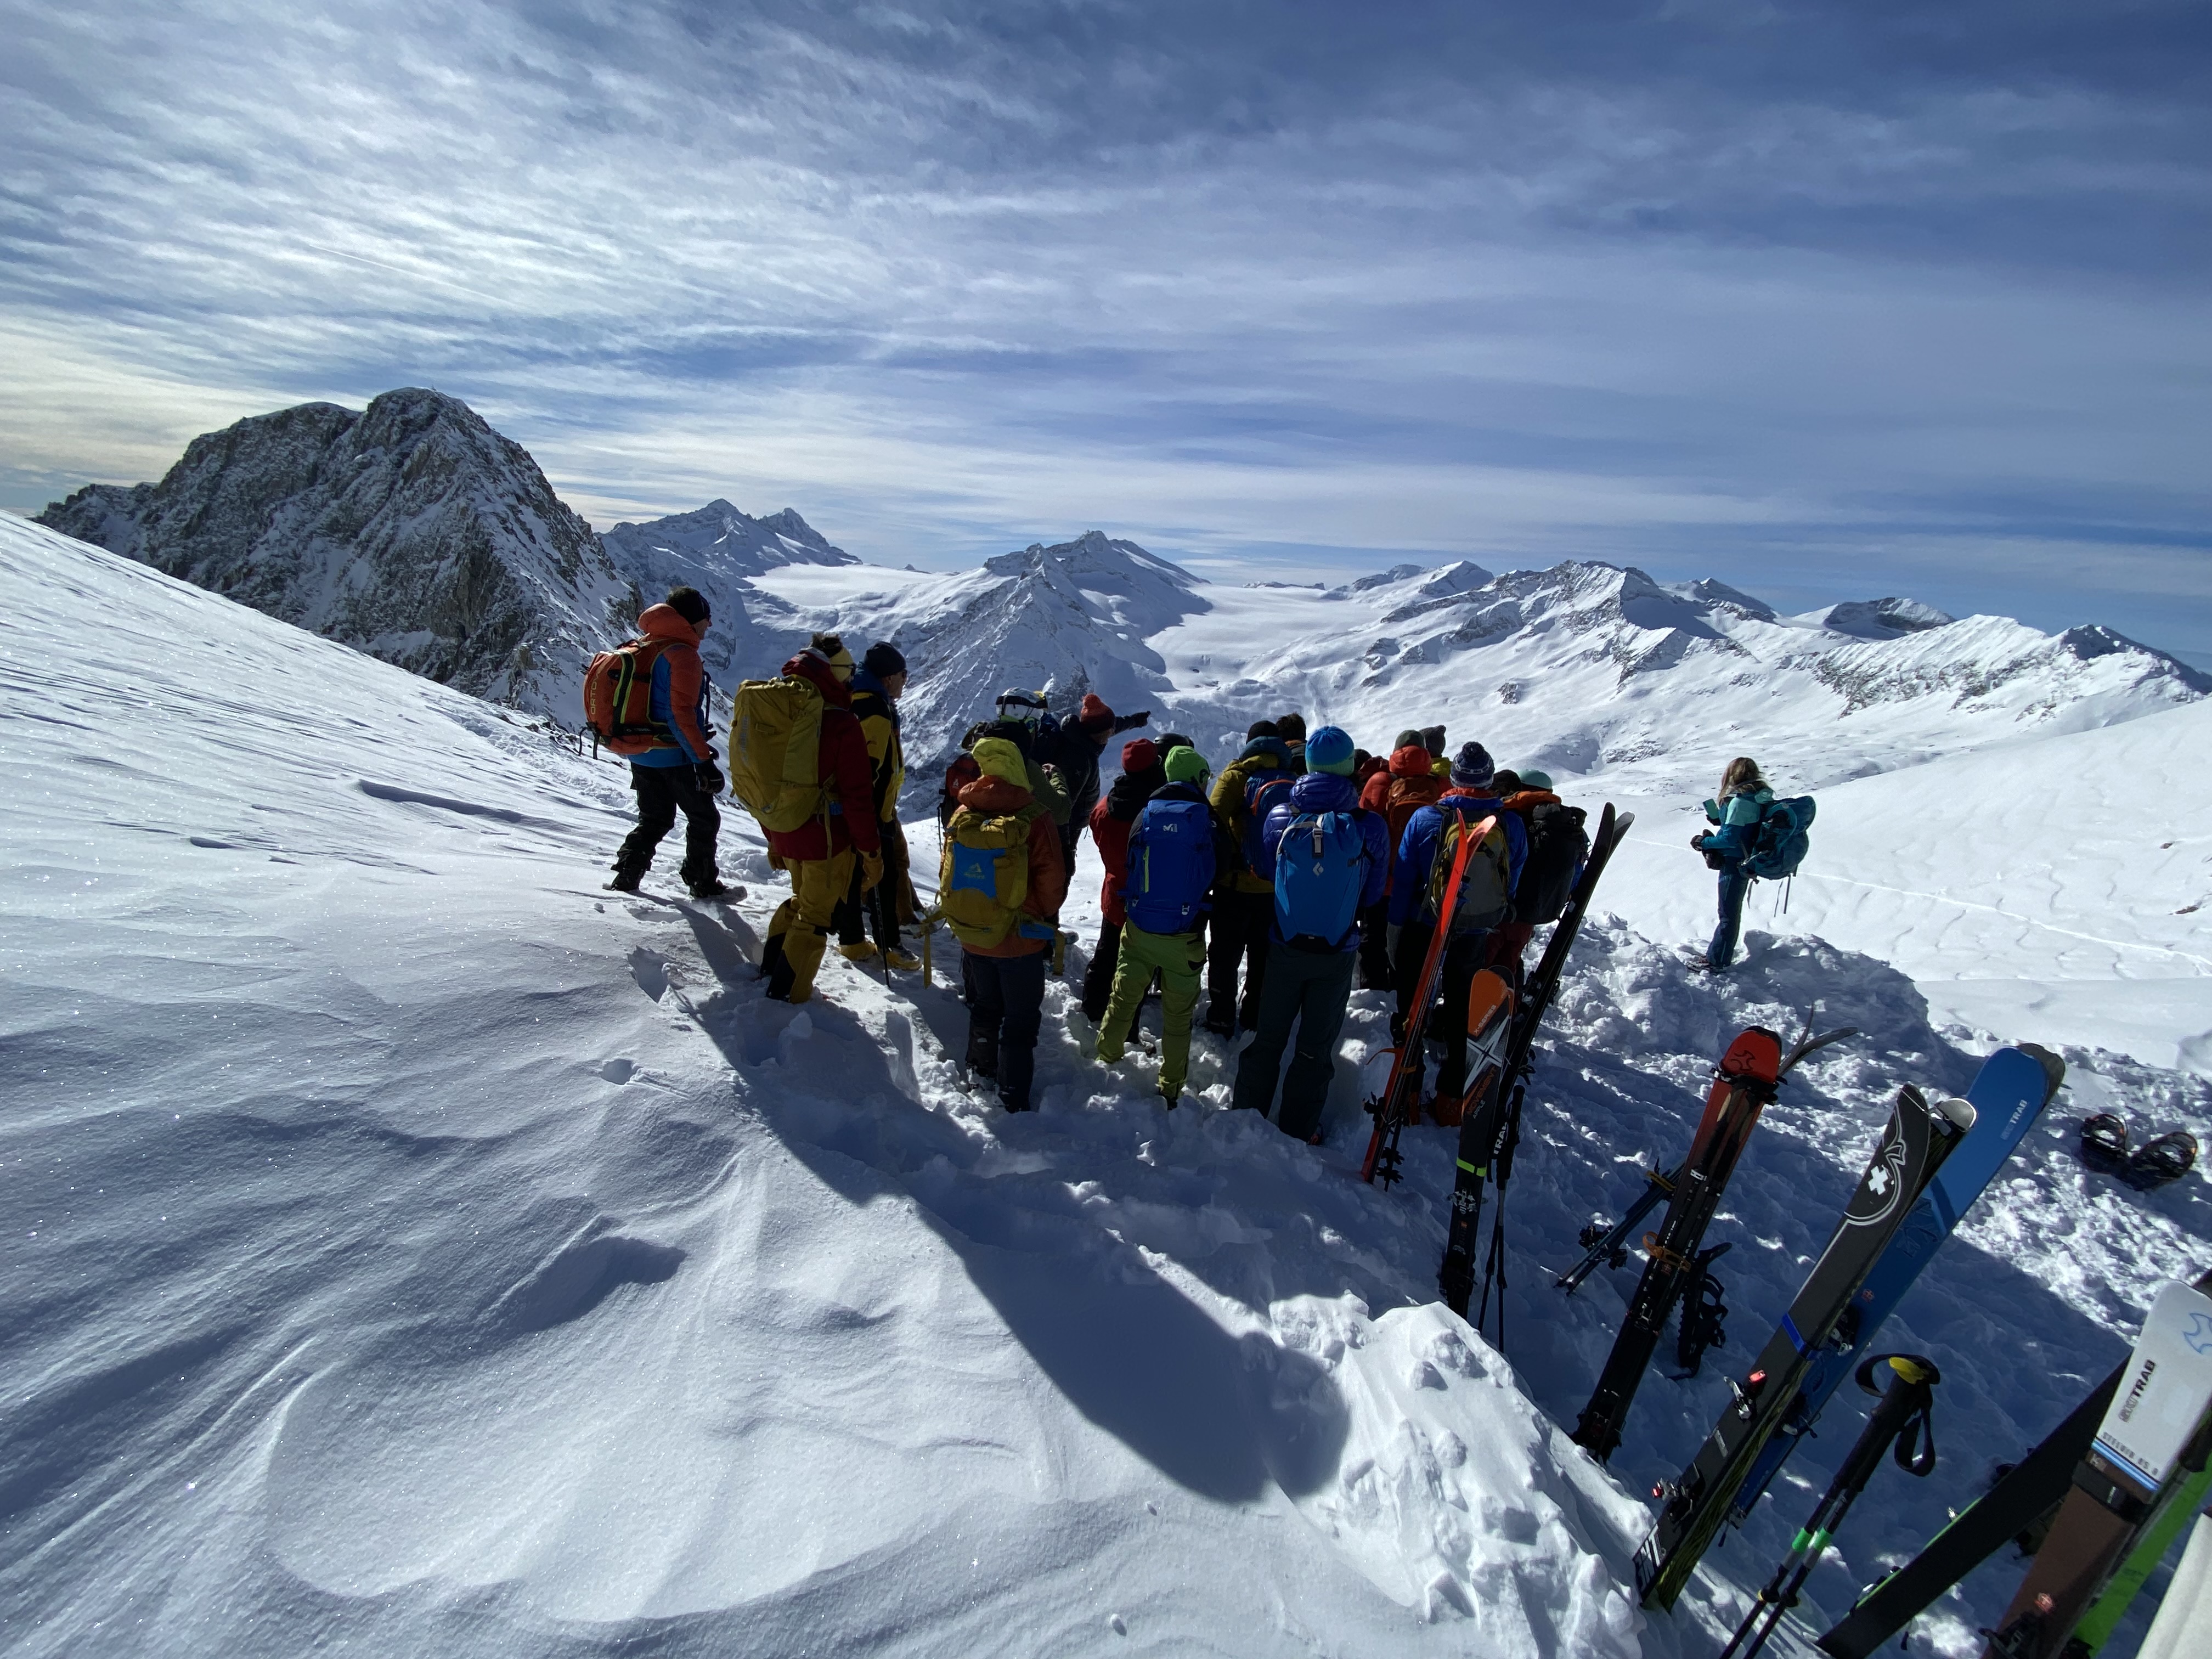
[(1329, 750), (1472, 768)]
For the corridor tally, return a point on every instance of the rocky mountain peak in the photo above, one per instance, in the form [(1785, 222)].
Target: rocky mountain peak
[(409, 529)]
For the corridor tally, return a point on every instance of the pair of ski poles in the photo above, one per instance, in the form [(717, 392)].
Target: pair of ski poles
[(1903, 1423)]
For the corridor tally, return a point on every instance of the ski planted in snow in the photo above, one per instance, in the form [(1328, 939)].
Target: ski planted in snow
[(1743, 1086), (2008, 1094), (1748, 1074), (1395, 1105), (1489, 1030), (1500, 1132), (2155, 1435), (2029, 1492), (1913, 1145)]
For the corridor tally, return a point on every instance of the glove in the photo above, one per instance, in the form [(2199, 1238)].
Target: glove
[(709, 775), (775, 861), (872, 870), (1142, 717), (1698, 841)]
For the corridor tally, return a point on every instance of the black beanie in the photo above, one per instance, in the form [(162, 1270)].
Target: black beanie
[(884, 660), (689, 604)]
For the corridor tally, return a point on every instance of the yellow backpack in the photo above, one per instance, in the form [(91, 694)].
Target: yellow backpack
[(983, 875), (1486, 890), (775, 752)]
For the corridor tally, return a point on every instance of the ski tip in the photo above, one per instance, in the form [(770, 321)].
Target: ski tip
[(2054, 1069), (1961, 1113)]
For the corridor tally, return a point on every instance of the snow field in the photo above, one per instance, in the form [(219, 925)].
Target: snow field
[(427, 1251)]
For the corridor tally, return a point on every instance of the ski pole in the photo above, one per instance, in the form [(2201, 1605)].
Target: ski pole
[(1905, 1416)]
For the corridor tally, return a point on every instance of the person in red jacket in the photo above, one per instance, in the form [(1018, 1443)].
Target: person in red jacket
[(819, 855), (1397, 791), (1141, 777), (1005, 983)]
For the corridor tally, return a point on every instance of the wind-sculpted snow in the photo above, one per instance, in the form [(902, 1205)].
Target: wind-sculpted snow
[(411, 529), (417, 1249)]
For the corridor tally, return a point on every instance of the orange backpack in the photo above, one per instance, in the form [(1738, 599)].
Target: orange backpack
[(618, 698)]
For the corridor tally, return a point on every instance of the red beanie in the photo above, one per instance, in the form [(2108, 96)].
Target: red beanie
[(1095, 715), (1140, 755)]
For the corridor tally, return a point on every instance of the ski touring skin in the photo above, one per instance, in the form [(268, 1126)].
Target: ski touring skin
[(2155, 1435), (1913, 1145), (2097, 1624), (2008, 1094), (1395, 1106), (1491, 1149), (1489, 1030), (2032, 1489), (2185, 1614), (1743, 1085)]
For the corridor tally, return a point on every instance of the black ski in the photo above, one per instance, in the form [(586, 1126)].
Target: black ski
[(1913, 1145), (1748, 1075)]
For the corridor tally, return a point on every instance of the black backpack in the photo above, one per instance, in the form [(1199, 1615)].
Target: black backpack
[(1557, 848)]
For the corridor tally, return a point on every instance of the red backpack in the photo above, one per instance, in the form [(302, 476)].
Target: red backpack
[(618, 698)]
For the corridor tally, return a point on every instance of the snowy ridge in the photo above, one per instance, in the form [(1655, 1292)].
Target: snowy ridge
[(426, 1251)]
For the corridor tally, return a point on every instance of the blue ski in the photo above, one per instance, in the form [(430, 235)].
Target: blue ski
[(2013, 1086)]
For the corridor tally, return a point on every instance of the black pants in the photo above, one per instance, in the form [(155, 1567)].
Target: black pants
[(1006, 1005), (1377, 971), (661, 792), (1240, 930), (1464, 956)]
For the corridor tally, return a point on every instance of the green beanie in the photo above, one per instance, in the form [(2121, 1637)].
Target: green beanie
[(1185, 765)]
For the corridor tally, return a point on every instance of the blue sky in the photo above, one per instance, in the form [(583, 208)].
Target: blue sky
[(1825, 301)]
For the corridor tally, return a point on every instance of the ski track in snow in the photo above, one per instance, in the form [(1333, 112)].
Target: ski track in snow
[(416, 1249)]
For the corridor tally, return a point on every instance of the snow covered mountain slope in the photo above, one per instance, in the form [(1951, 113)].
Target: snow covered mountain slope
[(409, 529), (422, 1250), (2059, 883), (1074, 617)]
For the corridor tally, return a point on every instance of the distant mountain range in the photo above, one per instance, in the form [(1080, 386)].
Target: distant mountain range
[(415, 532)]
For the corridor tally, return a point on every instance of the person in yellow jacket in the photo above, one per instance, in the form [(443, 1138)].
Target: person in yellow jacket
[(1244, 903), (878, 684)]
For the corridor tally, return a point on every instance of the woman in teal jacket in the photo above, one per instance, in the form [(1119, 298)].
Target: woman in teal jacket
[(1743, 802)]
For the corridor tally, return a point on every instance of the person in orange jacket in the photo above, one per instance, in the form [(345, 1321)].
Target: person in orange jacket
[(1405, 784), (1004, 983), (679, 771), (820, 855)]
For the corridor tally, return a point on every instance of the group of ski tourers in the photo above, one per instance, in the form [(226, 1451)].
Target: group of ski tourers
[(1425, 873)]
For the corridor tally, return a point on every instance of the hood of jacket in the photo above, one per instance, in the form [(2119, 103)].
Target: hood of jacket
[(1274, 749), (1470, 803), (1527, 801), (1322, 792), (994, 795), (666, 622), (809, 666), (1132, 790), (864, 682), (1411, 762)]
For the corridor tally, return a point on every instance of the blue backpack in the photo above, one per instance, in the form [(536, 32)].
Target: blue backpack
[(1171, 868), (1321, 868), (1781, 843)]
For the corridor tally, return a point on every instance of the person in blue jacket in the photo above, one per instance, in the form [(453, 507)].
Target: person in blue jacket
[(1308, 979), (1743, 802), (1412, 925)]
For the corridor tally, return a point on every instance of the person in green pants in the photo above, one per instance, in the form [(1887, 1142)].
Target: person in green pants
[(1176, 846)]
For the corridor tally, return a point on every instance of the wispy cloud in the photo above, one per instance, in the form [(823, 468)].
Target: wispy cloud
[(1815, 299)]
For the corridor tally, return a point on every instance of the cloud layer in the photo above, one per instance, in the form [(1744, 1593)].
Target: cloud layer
[(1821, 299)]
